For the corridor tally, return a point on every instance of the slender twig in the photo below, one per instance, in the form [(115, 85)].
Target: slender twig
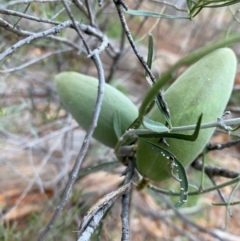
[(212, 171), (17, 2), (221, 146), (82, 151), (116, 58), (220, 193), (9, 27), (81, 7), (95, 214), (125, 204), (119, 4), (90, 13), (35, 36), (76, 26), (26, 16)]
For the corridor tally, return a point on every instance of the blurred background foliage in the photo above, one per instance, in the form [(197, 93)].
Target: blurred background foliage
[(39, 140)]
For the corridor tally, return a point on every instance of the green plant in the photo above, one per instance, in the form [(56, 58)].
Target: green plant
[(78, 93), (204, 88)]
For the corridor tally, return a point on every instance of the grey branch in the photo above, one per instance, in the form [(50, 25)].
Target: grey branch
[(54, 30), (23, 15), (94, 215), (17, 2), (126, 203), (83, 150)]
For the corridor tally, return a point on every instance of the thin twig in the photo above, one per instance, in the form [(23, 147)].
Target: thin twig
[(119, 4), (13, 3), (95, 214), (54, 30), (9, 27), (26, 16), (76, 26), (125, 204), (116, 58), (82, 151), (90, 13), (221, 146), (214, 170), (81, 7)]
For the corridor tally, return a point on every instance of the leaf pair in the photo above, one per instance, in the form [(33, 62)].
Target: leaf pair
[(174, 164)]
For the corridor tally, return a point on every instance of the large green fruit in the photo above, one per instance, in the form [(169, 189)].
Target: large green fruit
[(79, 92), (204, 88)]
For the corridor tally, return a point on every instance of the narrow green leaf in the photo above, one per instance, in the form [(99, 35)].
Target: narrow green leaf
[(189, 4), (25, 10), (150, 52), (182, 177), (148, 100), (185, 137), (154, 126), (153, 14)]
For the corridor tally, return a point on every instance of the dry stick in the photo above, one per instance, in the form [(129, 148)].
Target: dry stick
[(12, 3), (220, 146), (220, 193), (119, 4), (81, 7), (103, 38), (85, 145), (116, 58), (125, 203), (34, 36), (26, 16), (83, 149), (218, 190), (214, 171), (90, 13), (9, 27)]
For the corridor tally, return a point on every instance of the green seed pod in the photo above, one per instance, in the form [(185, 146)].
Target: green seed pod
[(204, 88), (79, 93)]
